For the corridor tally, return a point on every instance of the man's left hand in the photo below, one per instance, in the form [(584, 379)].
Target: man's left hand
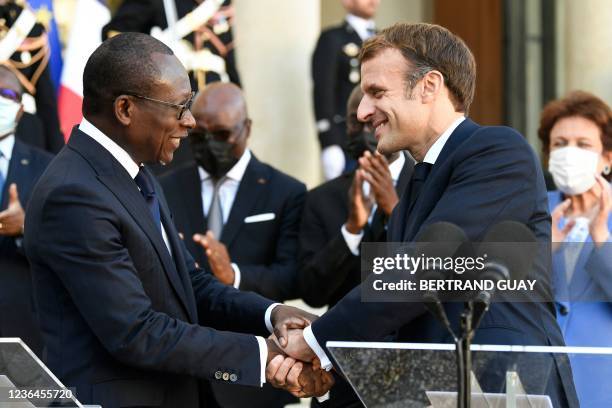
[(11, 219), (377, 173), (218, 257)]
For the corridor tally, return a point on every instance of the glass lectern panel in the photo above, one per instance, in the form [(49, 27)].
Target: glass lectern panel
[(25, 382), (390, 375)]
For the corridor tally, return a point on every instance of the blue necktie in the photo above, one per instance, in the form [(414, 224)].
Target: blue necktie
[(145, 183), (2, 180), (421, 171)]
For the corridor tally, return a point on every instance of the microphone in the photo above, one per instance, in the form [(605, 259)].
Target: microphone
[(503, 262), (438, 240)]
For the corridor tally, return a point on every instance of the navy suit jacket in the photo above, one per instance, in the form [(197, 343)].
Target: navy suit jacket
[(17, 313), (483, 175), (123, 319), (265, 251)]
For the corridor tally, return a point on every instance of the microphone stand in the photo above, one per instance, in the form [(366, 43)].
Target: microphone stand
[(463, 354)]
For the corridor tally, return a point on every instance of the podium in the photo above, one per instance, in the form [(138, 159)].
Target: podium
[(25, 382), (393, 375)]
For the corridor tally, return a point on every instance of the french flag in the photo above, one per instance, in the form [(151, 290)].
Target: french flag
[(85, 36)]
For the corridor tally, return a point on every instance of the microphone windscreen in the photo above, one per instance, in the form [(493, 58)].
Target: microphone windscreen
[(440, 239), (511, 244)]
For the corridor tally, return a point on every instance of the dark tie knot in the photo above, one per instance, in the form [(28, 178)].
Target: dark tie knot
[(421, 171), (144, 182)]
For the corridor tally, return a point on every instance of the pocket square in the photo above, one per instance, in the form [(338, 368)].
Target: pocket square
[(259, 218)]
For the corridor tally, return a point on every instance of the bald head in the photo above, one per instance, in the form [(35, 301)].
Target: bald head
[(220, 102), (219, 138)]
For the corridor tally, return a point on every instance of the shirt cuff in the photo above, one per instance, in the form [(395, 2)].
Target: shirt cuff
[(323, 398), (352, 240), (263, 358), (314, 345), (268, 317), (237, 276)]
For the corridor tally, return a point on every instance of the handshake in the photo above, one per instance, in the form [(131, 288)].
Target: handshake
[(291, 364)]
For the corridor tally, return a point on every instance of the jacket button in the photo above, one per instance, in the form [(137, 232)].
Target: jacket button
[(563, 310), (218, 375), (233, 378), (225, 376)]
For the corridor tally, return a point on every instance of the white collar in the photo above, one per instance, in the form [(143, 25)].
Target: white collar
[(6, 146), (113, 148), (235, 173), (396, 166), (360, 25), (434, 151)]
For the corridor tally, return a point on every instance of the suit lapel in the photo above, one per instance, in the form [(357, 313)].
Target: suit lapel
[(114, 176), (179, 259), (433, 188), (253, 183)]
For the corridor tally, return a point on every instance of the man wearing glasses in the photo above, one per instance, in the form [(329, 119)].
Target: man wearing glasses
[(239, 216), (20, 168), (128, 319)]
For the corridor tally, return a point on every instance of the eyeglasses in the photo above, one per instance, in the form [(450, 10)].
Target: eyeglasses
[(10, 94), (182, 108), (220, 135)]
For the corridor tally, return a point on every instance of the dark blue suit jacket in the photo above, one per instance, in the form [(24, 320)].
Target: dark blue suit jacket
[(122, 319), (483, 175), (17, 314), (265, 251)]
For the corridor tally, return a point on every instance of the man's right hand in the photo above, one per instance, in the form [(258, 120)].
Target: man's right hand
[(359, 206), (297, 377)]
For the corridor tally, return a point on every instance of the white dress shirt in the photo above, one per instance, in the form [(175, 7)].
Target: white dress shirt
[(434, 151), (6, 152), (132, 168), (227, 195), (364, 28), (353, 240), (430, 157)]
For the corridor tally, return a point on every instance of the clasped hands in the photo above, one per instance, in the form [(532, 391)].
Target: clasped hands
[(291, 364)]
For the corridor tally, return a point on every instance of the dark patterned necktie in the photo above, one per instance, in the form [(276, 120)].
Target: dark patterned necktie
[(145, 183)]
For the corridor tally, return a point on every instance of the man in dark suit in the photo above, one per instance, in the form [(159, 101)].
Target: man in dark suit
[(239, 216), (127, 314), (30, 61), (20, 168), (339, 215), (335, 72), (418, 81)]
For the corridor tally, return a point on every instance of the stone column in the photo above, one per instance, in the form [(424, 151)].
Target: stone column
[(274, 43), (585, 32)]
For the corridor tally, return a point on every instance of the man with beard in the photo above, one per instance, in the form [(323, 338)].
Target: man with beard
[(342, 213), (239, 217)]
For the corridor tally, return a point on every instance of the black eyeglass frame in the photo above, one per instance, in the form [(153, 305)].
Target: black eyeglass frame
[(182, 107), (208, 135)]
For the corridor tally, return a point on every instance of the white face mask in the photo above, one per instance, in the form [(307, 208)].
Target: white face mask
[(8, 116), (573, 169)]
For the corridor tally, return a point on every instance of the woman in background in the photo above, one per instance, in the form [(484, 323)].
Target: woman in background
[(576, 135)]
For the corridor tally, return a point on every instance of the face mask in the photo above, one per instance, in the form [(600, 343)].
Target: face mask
[(573, 169), (359, 142), (214, 156), (8, 116)]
